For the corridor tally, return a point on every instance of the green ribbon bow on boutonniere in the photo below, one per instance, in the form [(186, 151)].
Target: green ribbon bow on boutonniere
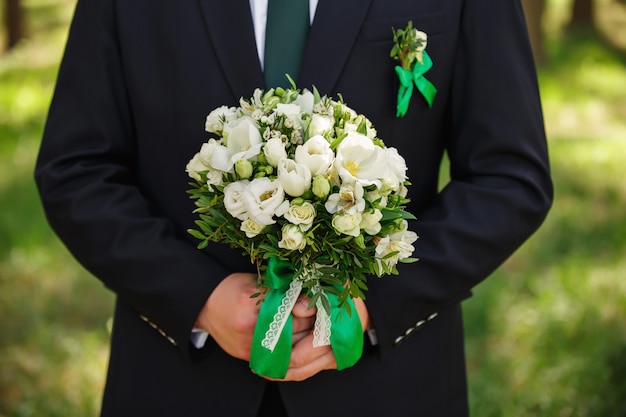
[(410, 50)]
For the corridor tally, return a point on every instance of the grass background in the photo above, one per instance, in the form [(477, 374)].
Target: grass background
[(546, 334)]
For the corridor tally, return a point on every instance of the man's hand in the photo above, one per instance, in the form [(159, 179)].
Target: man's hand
[(306, 360), (230, 315)]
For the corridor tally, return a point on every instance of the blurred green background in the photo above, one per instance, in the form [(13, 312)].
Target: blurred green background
[(546, 334)]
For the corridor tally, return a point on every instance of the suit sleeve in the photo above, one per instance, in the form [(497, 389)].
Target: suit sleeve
[(87, 177), (500, 189)]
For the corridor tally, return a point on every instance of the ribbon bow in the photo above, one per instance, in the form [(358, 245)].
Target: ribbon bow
[(414, 76), (272, 341)]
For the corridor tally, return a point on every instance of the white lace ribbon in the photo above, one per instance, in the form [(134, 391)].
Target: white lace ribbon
[(322, 328), (280, 318)]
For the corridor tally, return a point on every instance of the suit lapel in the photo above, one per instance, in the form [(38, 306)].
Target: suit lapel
[(229, 24), (333, 33)]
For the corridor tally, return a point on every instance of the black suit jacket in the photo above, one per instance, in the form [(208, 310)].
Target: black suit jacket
[(137, 80)]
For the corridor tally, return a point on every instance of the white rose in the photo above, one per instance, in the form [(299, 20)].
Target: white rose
[(358, 159), (292, 238), (274, 151), (347, 223), (370, 221), (206, 151), (195, 166), (320, 125), (243, 139), (214, 177), (234, 199), (302, 215), (316, 154), (349, 199), (216, 119), (250, 228), (263, 200), (219, 157), (295, 178)]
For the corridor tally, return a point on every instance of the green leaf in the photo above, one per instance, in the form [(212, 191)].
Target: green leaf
[(409, 260), (197, 234)]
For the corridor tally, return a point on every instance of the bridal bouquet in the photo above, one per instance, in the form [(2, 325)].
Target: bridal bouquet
[(302, 184)]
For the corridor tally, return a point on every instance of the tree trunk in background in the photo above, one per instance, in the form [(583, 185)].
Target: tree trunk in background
[(14, 22), (534, 9), (583, 13)]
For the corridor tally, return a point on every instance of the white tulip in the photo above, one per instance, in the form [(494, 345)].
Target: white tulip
[(295, 178), (274, 151)]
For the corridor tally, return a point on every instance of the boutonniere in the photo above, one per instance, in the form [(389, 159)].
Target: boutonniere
[(410, 50)]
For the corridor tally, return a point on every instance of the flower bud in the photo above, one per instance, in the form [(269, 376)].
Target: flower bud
[(321, 187), (243, 168)]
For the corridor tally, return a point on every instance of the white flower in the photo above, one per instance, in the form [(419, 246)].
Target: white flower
[(396, 172), (349, 199), (347, 223), (305, 101), (215, 120), (291, 110), (263, 200), (358, 159), (250, 228), (195, 166), (301, 215), (234, 199), (316, 154), (214, 177), (400, 242), (292, 238), (201, 161), (217, 156), (370, 221), (274, 151), (320, 125), (243, 139), (295, 178), (206, 151)]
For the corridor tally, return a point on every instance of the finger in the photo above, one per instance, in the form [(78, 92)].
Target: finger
[(297, 337), (301, 308), (325, 361), (302, 324)]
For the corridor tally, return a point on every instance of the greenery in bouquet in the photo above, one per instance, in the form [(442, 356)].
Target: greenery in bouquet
[(303, 178)]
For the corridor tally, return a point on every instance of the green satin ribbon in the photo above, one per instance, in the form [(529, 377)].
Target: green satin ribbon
[(346, 332), (414, 76)]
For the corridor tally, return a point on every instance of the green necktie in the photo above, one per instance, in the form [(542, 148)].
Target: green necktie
[(285, 37)]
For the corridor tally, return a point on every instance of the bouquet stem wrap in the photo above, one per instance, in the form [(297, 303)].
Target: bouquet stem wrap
[(272, 341), (414, 76)]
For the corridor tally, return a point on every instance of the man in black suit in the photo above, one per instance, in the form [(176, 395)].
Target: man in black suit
[(136, 82)]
